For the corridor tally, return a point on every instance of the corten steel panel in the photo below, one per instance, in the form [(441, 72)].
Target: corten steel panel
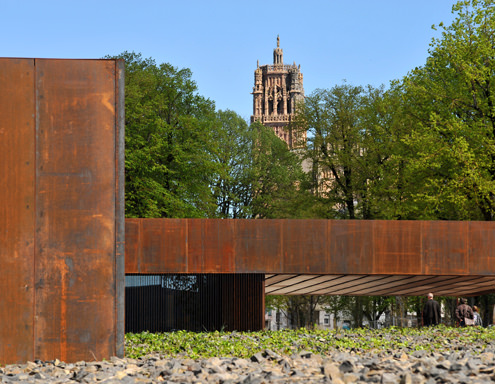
[(417, 252), (163, 245), (351, 247), (17, 149), (397, 247), (445, 247), (305, 246), (259, 246), (481, 247), (211, 245), (77, 314), (132, 245)]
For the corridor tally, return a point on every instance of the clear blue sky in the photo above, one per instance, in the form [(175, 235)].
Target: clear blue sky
[(361, 41)]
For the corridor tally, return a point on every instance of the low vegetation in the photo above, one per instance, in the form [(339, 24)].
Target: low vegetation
[(287, 342)]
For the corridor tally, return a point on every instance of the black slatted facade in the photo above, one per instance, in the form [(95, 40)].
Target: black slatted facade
[(198, 302)]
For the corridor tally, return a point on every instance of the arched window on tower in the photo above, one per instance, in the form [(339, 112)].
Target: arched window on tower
[(280, 107)]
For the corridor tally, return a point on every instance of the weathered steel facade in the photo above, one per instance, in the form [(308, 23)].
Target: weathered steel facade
[(324, 257), (62, 232), (61, 209)]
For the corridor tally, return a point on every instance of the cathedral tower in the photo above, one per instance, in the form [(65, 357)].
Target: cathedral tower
[(277, 90)]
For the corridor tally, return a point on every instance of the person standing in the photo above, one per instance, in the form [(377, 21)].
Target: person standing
[(463, 311), (431, 312), (477, 316)]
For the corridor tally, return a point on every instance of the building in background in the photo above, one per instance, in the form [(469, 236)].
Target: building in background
[(278, 88)]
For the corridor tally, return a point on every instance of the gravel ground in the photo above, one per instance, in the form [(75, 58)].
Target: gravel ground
[(463, 365)]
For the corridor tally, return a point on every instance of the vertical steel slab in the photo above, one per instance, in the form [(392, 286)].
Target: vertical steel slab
[(77, 142), (17, 149), (119, 167), (61, 209)]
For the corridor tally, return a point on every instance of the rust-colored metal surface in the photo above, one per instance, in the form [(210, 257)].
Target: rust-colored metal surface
[(61, 220), (17, 210), (334, 257)]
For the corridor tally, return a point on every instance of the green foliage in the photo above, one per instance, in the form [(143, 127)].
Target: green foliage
[(184, 159), (334, 144), (232, 187), (425, 148), (450, 101), (287, 342), (350, 146), (168, 138), (260, 177), (279, 185)]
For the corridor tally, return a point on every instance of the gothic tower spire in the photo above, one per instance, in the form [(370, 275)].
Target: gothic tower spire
[(278, 54), (278, 88)]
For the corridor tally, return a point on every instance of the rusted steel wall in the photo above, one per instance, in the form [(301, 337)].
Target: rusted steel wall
[(61, 209), (17, 210), (310, 246)]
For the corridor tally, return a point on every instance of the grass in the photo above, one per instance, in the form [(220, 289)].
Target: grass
[(287, 342)]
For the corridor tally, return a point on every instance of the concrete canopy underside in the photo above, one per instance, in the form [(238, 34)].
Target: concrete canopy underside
[(322, 257)]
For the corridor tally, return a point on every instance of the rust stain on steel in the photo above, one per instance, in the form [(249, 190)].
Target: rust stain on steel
[(60, 155), (75, 221), (17, 149), (348, 247)]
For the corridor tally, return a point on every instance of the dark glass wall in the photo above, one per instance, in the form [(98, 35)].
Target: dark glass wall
[(198, 302)]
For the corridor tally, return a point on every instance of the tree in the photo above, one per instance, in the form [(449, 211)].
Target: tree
[(260, 177), (350, 147), (232, 186), (334, 143), (451, 100), (300, 310), (279, 185), (169, 127)]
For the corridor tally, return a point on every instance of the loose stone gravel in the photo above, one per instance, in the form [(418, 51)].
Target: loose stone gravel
[(268, 367)]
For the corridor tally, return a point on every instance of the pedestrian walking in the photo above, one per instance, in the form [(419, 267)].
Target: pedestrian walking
[(464, 313), (431, 312)]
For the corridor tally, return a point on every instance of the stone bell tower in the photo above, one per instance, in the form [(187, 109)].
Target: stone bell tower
[(278, 88)]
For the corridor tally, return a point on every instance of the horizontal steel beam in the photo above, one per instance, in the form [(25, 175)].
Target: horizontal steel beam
[(348, 257)]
